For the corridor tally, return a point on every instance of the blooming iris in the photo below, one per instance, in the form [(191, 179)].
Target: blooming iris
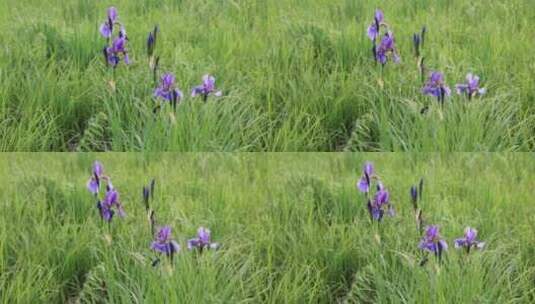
[(164, 242), (436, 87), (206, 88), (433, 242), (365, 180), (387, 47), (373, 29), (117, 48), (106, 28), (106, 206), (469, 240), (167, 89), (381, 201), (93, 185), (113, 52), (202, 241), (471, 87)]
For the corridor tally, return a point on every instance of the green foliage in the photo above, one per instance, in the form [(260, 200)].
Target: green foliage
[(296, 76), (293, 229)]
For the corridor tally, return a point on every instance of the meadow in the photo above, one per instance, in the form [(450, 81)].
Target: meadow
[(291, 228), (295, 75)]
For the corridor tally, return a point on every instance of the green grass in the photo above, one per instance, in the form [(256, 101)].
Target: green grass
[(293, 229), (297, 76)]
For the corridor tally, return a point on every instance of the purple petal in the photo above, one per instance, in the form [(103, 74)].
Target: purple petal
[(112, 13), (92, 186), (105, 30)]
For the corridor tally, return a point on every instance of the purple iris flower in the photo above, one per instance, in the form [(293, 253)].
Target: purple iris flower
[(387, 47), (202, 241), (365, 180), (433, 242), (380, 204), (164, 242), (471, 87), (106, 28), (206, 88), (93, 185), (436, 87), (469, 241), (111, 201), (167, 89), (373, 29), (114, 52)]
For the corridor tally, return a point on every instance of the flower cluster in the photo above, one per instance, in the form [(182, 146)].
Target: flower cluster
[(110, 204), (386, 48), (381, 200), (116, 47), (431, 241), (168, 91)]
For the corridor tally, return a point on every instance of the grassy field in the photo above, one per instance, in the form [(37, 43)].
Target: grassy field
[(296, 75), (292, 228)]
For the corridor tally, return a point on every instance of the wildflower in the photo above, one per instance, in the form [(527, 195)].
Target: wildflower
[(433, 242), (164, 242), (381, 201), (206, 88), (387, 47), (111, 200), (113, 52), (93, 185), (167, 89), (202, 241), (106, 28), (436, 87), (471, 87), (374, 28), (469, 241), (365, 180)]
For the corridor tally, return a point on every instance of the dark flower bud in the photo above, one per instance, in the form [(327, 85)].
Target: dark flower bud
[(414, 197), (150, 44), (416, 43), (146, 193)]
